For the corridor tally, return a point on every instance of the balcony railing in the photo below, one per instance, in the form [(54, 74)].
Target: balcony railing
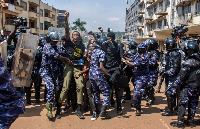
[(161, 11), (186, 19), (141, 11), (182, 2)]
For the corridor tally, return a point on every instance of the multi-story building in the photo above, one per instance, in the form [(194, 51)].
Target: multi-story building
[(61, 19), (29, 9), (156, 18)]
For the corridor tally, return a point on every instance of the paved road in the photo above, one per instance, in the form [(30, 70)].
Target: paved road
[(35, 118)]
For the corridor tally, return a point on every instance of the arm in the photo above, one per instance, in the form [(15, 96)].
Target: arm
[(153, 60), (95, 37), (11, 36), (67, 35), (101, 29), (103, 70)]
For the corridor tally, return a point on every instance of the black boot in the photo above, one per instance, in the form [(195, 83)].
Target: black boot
[(97, 108), (138, 110), (180, 122), (103, 112), (58, 116), (151, 97), (164, 110), (78, 112), (169, 111)]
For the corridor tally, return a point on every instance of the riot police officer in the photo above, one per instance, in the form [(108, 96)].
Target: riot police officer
[(153, 54), (189, 83), (172, 68), (132, 51)]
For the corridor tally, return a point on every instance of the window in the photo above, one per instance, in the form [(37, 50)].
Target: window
[(24, 4), (41, 12), (32, 25), (46, 15), (53, 17), (198, 7), (165, 22)]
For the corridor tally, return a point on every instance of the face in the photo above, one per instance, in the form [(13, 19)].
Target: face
[(53, 43), (89, 53), (75, 36), (63, 42), (141, 50), (111, 38), (91, 47)]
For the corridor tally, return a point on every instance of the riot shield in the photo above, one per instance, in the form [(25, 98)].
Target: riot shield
[(24, 58), (3, 52)]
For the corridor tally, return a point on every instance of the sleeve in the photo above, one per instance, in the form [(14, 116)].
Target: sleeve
[(153, 60), (141, 60), (176, 65), (50, 51), (184, 73), (102, 56)]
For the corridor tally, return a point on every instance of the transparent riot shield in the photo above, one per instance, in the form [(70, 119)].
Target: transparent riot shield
[(3, 52), (24, 58)]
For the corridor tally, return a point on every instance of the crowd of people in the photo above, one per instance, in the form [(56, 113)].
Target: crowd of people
[(79, 75)]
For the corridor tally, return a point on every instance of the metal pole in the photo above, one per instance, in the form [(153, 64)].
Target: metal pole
[(2, 19), (39, 18)]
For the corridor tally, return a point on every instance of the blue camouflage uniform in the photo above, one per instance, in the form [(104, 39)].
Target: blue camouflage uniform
[(141, 74), (97, 78), (11, 102), (49, 70), (153, 69)]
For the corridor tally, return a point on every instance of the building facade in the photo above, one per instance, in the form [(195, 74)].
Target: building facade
[(29, 9), (156, 18)]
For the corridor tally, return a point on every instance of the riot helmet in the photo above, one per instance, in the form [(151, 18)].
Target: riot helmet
[(52, 36), (170, 43), (102, 41), (42, 41), (132, 45), (152, 44), (191, 48), (142, 47)]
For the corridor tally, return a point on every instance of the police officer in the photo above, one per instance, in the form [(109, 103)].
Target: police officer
[(49, 68), (113, 66), (98, 76), (153, 54), (140, 62), (132, 51), (172, 68), (189, 83)]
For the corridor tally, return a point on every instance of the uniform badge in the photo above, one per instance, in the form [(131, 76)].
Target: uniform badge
[(143, 57)]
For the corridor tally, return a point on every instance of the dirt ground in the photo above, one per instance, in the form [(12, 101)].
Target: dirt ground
[(35, 117)]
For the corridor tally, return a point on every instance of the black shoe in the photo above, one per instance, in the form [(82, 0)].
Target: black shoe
[(177, 124), (167, 113), (133, 105), (150, 102), (145, 97), (138, 110), (164, 110), (94, 116), (79, 114), (30, 102), (66, 108), (119, 111), (103, 112), (58, 116), (127, 97), (55, 104), (37, 101)]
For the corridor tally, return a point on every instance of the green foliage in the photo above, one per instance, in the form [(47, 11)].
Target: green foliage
[(79, 25)]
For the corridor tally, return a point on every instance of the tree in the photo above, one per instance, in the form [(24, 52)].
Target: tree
[(78, 24)]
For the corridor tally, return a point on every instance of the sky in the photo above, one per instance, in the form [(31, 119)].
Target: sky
[(97, 13)]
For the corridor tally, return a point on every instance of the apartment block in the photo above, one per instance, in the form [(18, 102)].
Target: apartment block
[(155, 19), (29, 9)]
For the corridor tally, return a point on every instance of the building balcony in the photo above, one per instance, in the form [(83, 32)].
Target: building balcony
[(17, 9), (140, 15), (187, 19), (140, 24), (33, 15), (148, 18), (34, 30), (47, 19), (36, 2), (161, 12), (181, 3), (149, 1), (141, 11), (154, 3), (160, 18), (141, 2), (9, 27)]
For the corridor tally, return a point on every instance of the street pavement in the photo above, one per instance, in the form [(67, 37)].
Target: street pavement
[(35, 117)]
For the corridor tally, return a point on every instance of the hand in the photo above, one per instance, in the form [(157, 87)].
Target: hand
[(90, 33), (77, 75), (101, 29), (66, 15)]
